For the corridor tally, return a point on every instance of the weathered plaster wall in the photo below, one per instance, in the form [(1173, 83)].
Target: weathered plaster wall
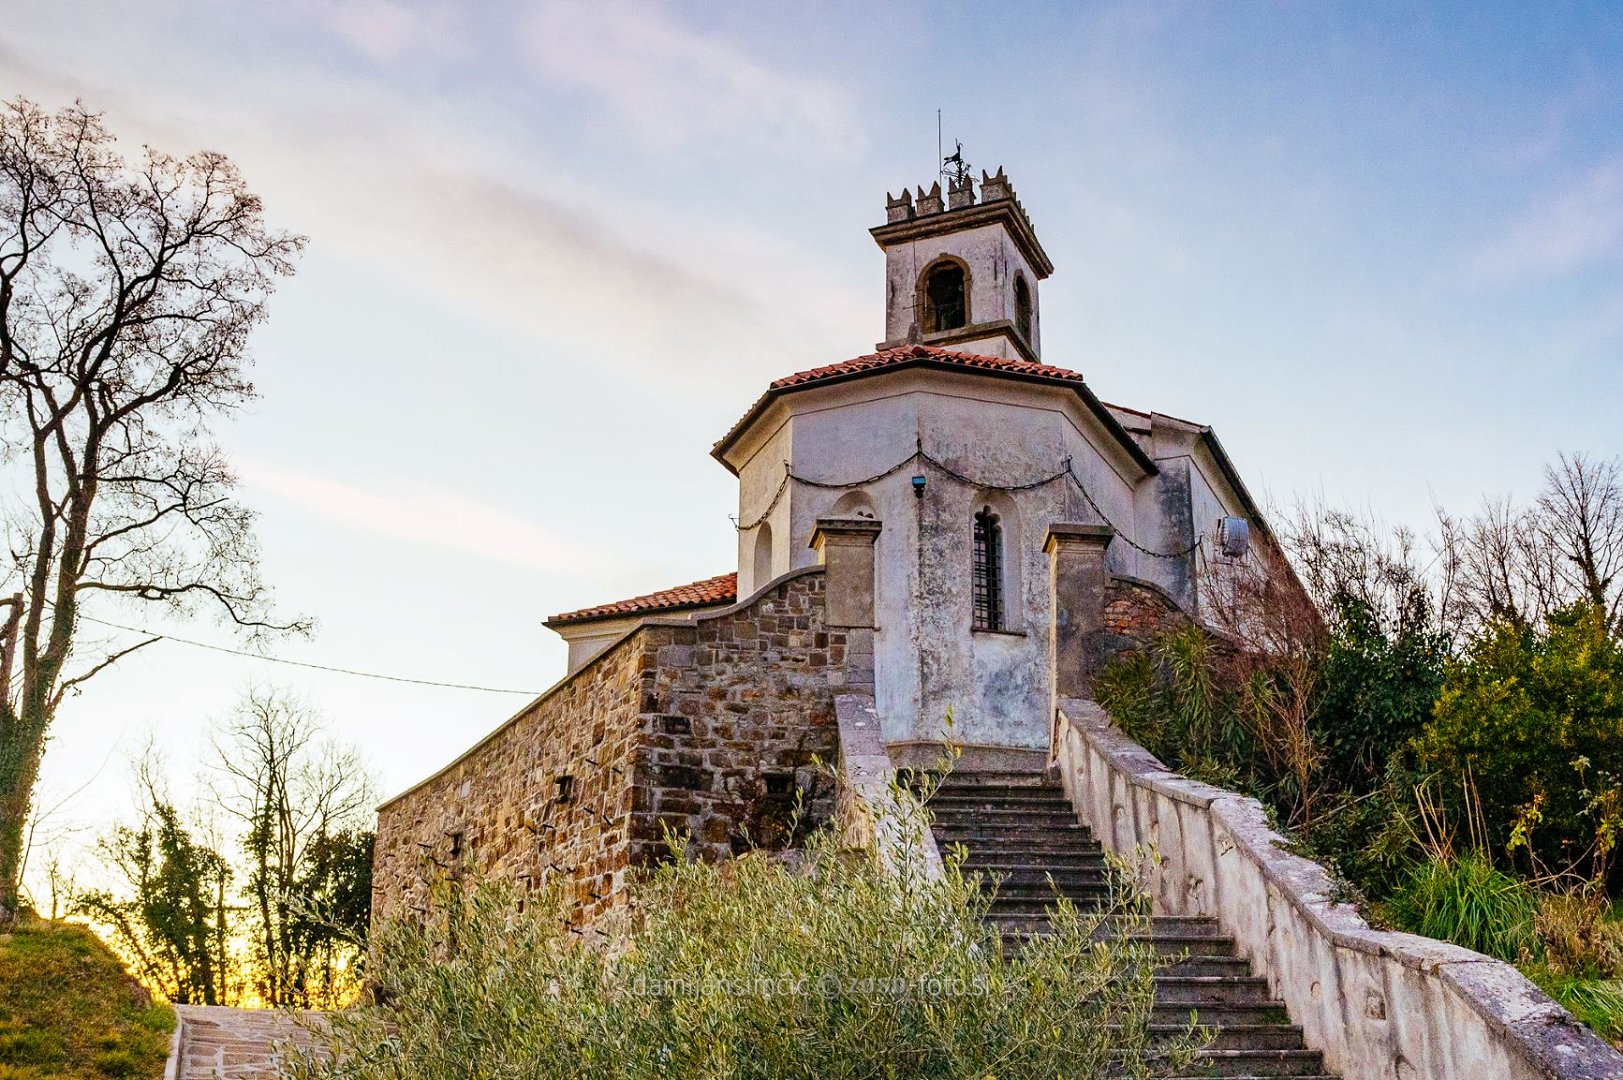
[(1382, 1006), (758, 482), (685, 724), (1000, 433), (992, 258)]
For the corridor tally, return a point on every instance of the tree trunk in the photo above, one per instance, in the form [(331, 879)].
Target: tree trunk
[(22, 744)]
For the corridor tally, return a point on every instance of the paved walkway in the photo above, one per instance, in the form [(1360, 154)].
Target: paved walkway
[(217, 1043)]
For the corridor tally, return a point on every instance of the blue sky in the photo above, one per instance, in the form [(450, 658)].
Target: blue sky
[(557, 249)]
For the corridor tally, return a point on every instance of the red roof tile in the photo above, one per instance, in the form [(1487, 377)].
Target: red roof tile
[(721, 589), (912, 354), (932, 356)]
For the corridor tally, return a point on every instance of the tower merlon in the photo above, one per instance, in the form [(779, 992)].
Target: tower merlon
[(961, 273)]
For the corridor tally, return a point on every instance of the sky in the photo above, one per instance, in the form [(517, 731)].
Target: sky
[(557, 248)]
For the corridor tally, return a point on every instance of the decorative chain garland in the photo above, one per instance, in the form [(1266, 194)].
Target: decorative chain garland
[(942, 467)]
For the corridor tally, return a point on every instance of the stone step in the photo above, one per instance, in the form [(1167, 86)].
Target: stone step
[(1083, 898), (1252, 1063), (1221, 967), (1031, 858), (1012, 799), (955, 780), (1221, 1017), (1050, 886), (992, 802), (1239, 1036), (1018, 824), (1169, 927), (986, 842), (1005, 875), (1188, 948), (1201, 991), (1023, 819)]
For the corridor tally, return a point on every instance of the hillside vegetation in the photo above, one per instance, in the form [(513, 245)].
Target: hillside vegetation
[(1443, 729), (69, 1009)]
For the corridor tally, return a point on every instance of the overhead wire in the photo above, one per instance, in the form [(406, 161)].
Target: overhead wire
[(332, 669)]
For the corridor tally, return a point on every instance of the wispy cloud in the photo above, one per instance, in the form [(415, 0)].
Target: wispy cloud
[(386, 30), (1574, 227), (433, 517), (674, 87), (403, 192)]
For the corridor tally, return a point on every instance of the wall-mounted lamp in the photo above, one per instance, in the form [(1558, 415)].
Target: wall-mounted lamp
[(918, 486)]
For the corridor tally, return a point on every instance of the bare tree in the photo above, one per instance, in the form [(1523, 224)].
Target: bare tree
[(1348, 556), (128, 291), (1521, 563), (1277, 638), (1580, 515), (295, 793)]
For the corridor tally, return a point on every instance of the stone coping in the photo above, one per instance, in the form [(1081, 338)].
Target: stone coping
[(1537, 1028), (705, 615), (866, 774)]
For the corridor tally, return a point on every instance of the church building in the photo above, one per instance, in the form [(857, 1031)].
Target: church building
[(952, 527), (907, 519)]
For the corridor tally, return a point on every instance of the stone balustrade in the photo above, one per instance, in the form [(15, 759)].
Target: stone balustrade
[(1380, 1005)]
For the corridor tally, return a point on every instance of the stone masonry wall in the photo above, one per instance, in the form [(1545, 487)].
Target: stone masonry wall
[(706, 727), (1137, 612), (741, 704), (498, 810)]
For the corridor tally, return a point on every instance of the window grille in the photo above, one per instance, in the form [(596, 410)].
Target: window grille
[(988, 571)]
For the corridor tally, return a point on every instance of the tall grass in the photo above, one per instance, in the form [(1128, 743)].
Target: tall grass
[(1467, 901), (764, 968)]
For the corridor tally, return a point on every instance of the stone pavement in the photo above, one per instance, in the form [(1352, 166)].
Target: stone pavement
[(217, 1043)]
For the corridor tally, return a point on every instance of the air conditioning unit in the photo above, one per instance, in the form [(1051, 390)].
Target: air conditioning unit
[(1233, 537)]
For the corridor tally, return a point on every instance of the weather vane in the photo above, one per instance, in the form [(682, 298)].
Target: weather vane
[(954, 169)]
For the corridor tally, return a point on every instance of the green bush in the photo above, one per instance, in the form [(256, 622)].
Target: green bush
[(818, 966), (1171, 700), (1378, 683), (1467, 901), (1371, 841), (1517, 710)]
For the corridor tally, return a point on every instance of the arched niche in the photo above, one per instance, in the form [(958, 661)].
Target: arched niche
[(762, 563), (855, 503)]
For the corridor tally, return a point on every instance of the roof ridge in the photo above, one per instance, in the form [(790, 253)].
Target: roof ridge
[(706, 592), (918, 351)]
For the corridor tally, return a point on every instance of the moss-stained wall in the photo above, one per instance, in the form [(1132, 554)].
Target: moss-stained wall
[(705, 727)]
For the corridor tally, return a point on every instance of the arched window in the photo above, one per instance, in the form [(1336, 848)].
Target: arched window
[(946, 305), (987, 572), (1022, 308), (763, 556)]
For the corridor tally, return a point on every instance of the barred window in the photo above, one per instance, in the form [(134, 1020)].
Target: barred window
[(988, 571)]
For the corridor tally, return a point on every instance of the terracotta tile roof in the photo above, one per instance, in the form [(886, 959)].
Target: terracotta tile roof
[(721, 589), (913, 354), (932, 356)]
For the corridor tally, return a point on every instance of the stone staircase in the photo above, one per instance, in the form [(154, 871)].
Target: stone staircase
[(1021, 828)]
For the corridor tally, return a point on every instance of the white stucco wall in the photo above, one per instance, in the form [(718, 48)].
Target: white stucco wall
[(928, 660)]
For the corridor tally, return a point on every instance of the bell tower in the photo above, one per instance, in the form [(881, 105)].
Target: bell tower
[(963, 274)]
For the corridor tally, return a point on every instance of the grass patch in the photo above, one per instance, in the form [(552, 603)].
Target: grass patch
[(70, 1011)]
